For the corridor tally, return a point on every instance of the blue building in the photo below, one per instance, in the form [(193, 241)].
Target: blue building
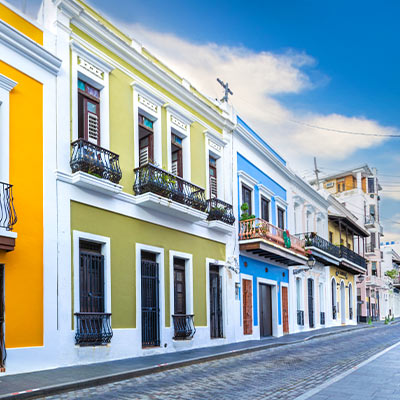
[(266, 248)]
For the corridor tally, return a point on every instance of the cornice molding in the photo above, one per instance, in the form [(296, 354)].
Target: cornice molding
[(179, 113), (90, 57), (215, 137), (280, 201), (29, 49), (265, 191), (147, 92), (244, 176), (7, 83)]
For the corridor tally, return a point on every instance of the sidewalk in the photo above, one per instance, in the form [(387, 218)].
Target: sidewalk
[(54, 381), (375, 379)]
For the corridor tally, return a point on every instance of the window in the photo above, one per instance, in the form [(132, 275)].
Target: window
[(372, 209), (309, 222), (371, 185), (333, 288), (146, 140), (331, 237), (213, 177), (298, 293), (246, 198), (350, 301), (179, 286), (373, 241), (88, 112), (281, 218), (341, 185), (176, 155), (373, 268), (264, 209)]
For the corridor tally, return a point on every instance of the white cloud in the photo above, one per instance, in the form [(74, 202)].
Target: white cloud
[(255, 78)]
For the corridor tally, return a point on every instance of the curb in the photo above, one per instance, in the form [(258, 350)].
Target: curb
[(120, 376)]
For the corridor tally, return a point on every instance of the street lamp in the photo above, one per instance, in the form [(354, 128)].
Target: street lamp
[(311, 261)]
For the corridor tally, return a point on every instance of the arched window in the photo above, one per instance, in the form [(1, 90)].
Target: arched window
[(350, 301), (333, 286)]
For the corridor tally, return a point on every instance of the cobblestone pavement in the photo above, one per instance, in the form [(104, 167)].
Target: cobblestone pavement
[(279, 373)]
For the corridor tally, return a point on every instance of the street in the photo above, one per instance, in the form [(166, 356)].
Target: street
[(281, 373)]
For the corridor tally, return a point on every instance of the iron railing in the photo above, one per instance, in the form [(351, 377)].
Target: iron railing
[(300, 317), (313, 240), (93, 329), (334, 312), (93, 159), (350, 255), (218, 210), (150, 178), (369, 220), (351, 312), (370, 248), (322, 318), (8, 217), (183, 326), (258, 228)]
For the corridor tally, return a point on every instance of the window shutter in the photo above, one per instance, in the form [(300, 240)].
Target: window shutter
[(144, 156), (93, 128), (213, 186)]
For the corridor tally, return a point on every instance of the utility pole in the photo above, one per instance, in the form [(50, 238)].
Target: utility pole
[(316, 170), (227, 90)]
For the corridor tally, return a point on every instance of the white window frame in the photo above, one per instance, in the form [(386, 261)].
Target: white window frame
[(268, 195), (333, 297), (274, 304), (159, 252), (106, 252), (6, 86), (188, 281), (179, 123), (247, 180), (101, 84), (279, 202), (300, 294), (351, 303)]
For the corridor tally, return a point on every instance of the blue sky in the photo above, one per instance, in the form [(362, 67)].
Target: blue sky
[(330, 63)]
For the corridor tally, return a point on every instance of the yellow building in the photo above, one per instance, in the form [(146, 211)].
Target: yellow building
[(27, 123)]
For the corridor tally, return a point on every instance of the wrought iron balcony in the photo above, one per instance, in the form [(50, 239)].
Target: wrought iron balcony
[(218, 210), (370, 248), (8, 217), (300, 317), (93, 329), (350, 255), (151, 179), (322, 318), (258, 228), (93, 159), (334, 312), (184, 328), (313, 240)]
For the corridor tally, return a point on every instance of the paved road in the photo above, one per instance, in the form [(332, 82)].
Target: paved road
[(280, 373)]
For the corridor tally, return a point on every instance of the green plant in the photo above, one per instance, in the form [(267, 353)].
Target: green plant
[(386, 320), (392, 318), (392, 274), (369, 321), (245, 215)]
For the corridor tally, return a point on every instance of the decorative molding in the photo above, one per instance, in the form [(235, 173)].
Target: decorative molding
[(90, 67), (246, 178), (147, 103), (148, 94), (179, 114), (90, 58), (265, 191), (178, 123), (29, 49), (298, 200), (215, 137), (281, 202), (7, 83)]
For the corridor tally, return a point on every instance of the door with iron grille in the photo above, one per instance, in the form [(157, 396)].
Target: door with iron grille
[(310, 303), (216, 323), (150, 301), (2, 311)]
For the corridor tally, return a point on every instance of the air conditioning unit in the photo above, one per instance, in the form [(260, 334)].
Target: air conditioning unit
[(330, 185)]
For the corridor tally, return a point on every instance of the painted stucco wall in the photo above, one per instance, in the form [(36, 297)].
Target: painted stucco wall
[(24, 265), (256, 269), (124, 233), (339, 278)]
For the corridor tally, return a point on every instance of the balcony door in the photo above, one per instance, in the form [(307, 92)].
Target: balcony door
[(88, 113), (2, 312), (146, 141), (150, 300), (213, 177), (179, 286), (216, 321), (310, 286), (176, 156), (265, 301)]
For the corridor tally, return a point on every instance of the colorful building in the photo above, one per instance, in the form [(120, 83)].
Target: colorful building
[(28, 235)]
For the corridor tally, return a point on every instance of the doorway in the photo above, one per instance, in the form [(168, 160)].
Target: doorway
[(310, 285), (247, 307), (216, 322), (285, 310), (2, 312), (265, 301), (342, 303), (150, 300)]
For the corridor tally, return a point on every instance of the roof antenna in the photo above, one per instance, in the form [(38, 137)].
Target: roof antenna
[(316, 170), (227, 90)]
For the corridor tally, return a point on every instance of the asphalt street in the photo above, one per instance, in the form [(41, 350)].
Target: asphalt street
[(280, 373)]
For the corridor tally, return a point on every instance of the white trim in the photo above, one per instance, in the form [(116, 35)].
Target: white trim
[(274, 305), (90, 57), (106, 252), (268, 195), (7, 83), (159, 252), (247, 179), (281, 202), (188, 281), (29, 49)]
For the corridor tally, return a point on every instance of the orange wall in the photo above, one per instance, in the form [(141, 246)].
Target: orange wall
[(21, 24), (24, 265)]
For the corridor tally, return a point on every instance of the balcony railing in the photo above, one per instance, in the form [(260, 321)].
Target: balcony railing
[(93, 159), (258, 228), (300, 317), (322, 318), (369, 220), (93, 329), (218, 210), (313, 240), (184, 328), (8, 217), (150, 178), (334, 312), (396, 281), (370, 248), (350, 255)]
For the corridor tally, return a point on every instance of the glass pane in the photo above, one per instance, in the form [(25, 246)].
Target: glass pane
[(213, 162), (81, 85), (91, 107), (92, 91)]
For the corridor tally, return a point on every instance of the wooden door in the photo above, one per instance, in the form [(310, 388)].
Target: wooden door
[(285, 309), (247, 307), (265, 310), (179, 286), (88, 113), (216, 322)]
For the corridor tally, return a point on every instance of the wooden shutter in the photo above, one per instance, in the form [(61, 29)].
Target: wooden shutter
[(247, 307), (88, 113), (179, 286), (285, 309), (213, 178)]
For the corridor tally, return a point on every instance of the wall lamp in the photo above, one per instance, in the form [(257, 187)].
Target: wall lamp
[(310, 264)]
